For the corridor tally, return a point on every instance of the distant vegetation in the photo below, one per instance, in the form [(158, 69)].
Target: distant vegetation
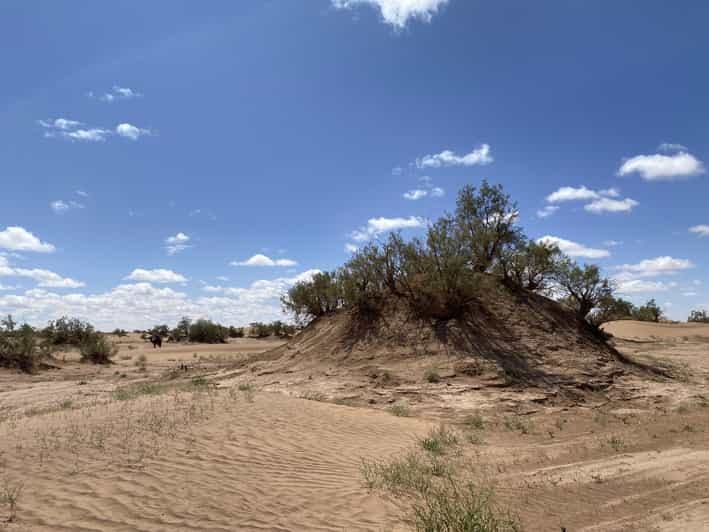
[(698, 316), (440, 275), (614, 308), (207, 331)]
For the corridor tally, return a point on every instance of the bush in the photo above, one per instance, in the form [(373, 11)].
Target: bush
[(236, 332), (97, 349), (120, 332), (310, 299), (208, 332), (650, 311), (68, 331), (698, 316), (20, 348), (583, 287)]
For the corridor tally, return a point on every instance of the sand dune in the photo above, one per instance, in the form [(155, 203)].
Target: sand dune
[(644, 330)]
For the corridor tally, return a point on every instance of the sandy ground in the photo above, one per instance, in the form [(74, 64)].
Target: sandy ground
[(220, 447)]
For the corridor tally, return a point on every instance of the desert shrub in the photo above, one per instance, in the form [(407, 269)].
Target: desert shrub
[(531, 265), (698, 316), (119, 332), (68, 331), (310, 299), (21, 347), (208, 332), (97, 349), (650, 311), (159, 330), (583, 287), (611, 308), (236, 332)]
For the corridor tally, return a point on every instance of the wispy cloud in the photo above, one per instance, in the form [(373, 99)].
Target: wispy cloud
[(116, 93), (478, 156), (73, 130), (600, 200), (547, 211), (426, 190), (639, 286), (397, 13), (660, 167), (574, 249), (263, 260), (176, 244), (377, 226), (700, 230), (664, 265), (20, 239), (61, 206)]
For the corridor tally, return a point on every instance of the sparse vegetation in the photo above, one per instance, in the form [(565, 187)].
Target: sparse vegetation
[(400, 410), (432, 375), (21, 347), (97, 349), (313, 396), (439, 441), (698, 316), (442, 275)]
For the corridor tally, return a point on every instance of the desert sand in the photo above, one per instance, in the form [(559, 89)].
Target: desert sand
[(229, 444)]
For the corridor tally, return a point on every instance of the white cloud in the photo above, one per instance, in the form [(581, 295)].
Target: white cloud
[(350, 248), (5, 288), (130, 131), (19, 239), (118, 93), (82, 193), (547, 211), (415, 194), (660, 167), (397, 12), (49, 279), (377, 226), (611, 205), (222, 278), (701, 230), (572, 194), (61, 206), (574, 249), (87, 135), (479, 156), (158, 275), (612, 243), (689, 294), (638, 286), (176, 244), (664, 265), (263, 260)]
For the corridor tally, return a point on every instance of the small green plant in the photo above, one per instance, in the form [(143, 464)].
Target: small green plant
[(10, 495), (199, 381), (400, 410), (387, 377), (248, 390), (432, 376), (142, 362), (66, 404), (518, 424), (313, 396), (475, 421), (439, 441), (616, 443)]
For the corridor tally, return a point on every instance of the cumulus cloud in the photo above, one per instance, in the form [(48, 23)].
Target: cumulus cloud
[(547, 211), (478, 156), (574, 249), (176, 244), (350, 248), (377, 226), (639, 286), (158, 275), (61, 206), (48, 279), (611, 205), (420, 193), (660, 167), (130, 131), (572, 194), (397, 12), (263, 260), (664, 265), (20, 239), (700, 230)]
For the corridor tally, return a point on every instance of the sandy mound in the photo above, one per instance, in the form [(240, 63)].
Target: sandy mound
[(644, 330), (506, 338)]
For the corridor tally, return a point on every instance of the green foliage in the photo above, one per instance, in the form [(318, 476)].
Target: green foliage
[(68, 331), (698, 316), (120, 332), (20, 347), (650, 311), (531, 265), (208, 332), (612, 308), (583, 287), (236, 332), (97, 349), (309, 299), (160, 330)]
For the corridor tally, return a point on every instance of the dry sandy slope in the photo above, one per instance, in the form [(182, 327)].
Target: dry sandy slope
[(643, 330), (276, 463)]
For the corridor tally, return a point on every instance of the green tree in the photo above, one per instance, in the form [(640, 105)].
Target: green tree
[(583, 287)]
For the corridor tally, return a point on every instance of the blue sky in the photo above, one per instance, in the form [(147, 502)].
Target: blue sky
[(149, 151)]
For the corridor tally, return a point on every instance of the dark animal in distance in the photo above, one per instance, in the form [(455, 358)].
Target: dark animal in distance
[(156, 340)]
